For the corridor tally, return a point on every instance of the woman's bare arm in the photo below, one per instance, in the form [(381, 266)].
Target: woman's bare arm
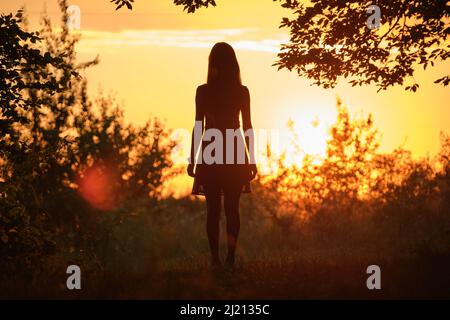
[(198, 129), (248, 127)]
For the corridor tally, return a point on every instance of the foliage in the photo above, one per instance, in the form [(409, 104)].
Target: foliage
[(56, 143), (330, 39), (19, 55), (357, 193)]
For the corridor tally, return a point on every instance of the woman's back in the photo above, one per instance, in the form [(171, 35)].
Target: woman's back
[(222, 106)]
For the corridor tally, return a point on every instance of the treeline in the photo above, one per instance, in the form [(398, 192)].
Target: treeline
[(360, 199)]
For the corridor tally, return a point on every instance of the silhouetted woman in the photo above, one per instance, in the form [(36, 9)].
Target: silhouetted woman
[(224, 160)]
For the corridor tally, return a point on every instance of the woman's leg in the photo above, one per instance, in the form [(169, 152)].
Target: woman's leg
[(231, 202), (213, 206)]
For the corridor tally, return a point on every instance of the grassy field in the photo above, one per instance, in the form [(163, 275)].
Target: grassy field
[(166, 257)]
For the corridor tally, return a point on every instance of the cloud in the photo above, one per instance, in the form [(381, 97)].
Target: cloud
[(243, 39)]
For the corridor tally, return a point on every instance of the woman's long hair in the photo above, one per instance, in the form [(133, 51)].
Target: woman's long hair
[(223, 68)]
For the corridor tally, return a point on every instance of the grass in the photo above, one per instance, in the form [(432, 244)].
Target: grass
[(266, 278)]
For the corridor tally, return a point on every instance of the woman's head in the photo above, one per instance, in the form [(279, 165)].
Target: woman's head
[(223, 65)]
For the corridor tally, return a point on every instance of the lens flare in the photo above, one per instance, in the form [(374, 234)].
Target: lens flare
[(99, 186)]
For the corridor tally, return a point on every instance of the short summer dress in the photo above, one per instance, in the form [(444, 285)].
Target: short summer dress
[(220, 109)]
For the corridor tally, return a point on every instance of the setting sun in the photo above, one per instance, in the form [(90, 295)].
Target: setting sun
[(307, 132)]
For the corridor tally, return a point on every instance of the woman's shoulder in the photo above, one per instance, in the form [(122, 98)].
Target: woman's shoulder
[(201, 90), (239, 89), (202, 87), (245, 92), (242, 90)]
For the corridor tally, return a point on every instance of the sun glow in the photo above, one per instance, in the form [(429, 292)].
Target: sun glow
[(307, 134)]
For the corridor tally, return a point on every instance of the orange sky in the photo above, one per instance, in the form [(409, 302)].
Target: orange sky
[(155, 56)]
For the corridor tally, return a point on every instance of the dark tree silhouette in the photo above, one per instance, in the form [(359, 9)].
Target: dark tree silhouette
[(56, 142), (18, 55), (330, 40)]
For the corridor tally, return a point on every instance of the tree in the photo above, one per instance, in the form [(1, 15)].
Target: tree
[(19, 54), (330, 40), (24, 68), (52, 136)]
